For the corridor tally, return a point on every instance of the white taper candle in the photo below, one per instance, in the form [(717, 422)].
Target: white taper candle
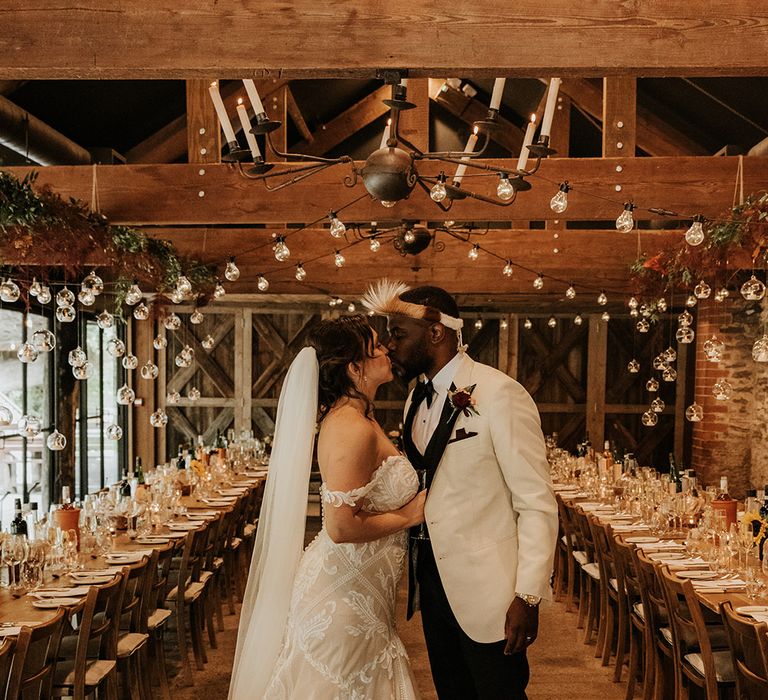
[(253, 96), (498, 92), (527, 141), (221, 111), (246, 124), (469, 148), (549, 109)]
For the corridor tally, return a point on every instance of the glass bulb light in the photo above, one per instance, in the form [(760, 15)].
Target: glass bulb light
[(713, 349), (130, 361), (652, 384), (116, 347), (691, 301), (474, 252), (172, 322), (338, 259), (721, 294), (65, 314), (538, 282), (92, 283), (661, 305), (602, 299), (208, 342), (753, 289), (193, 394), (722, 390), (633, 366), (503, 324), (559, 203), (182, 360), (149, 370), (649, 418), (633, 303), (375, 245), (702, 290), (409, 236), (438, 192), (34, 288), (183, 285), (84, 371), (695, 234), (44, 295), (141, 312), (670, 354), (658, 405), (626, 222), (387, 204), (262, 284), (9, 291), (196, 317), (77, 357), (29, 425), (694, 413), (760, 349), (527, 324), (507, 270), (605, 316), (172, 397), (133, 295), (232, 272), (114, 432), (159, 419), (125, 395), (27, 353), (551, 321), (86, 297), (301, 273), (643, 326), (219, 291), (105, 320), (578, 320), (64, 297), (351, 307), (570, 293), (685, 335), (56, 441), (669, 374), (6, 416), (281, 250), (337, 228), (505, 190), (160, 343), (479, 323), (44, 340), (685, 319)]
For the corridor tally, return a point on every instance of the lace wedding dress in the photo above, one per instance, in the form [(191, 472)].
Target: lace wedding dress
[(340, 642)]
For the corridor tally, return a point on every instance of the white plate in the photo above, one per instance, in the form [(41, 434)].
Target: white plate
[(126, 558), (667, 556), (152, 540), (93, 579), (220, 504), (182, 527), (699, 575), (54, 602), (641, 540), (62, 593), (749, 609)]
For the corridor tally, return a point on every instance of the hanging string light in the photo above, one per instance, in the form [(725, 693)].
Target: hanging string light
[(438, 192), (626, 222), (301, 273), (281, 250), (505, 190), (559, 203), (262, 284), (337, 226), (338, 259), (570, 293), (232, 272), (508, 270), (474, 252), (538, 282)]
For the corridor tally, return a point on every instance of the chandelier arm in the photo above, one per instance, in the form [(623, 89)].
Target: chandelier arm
[(304, 156), (488, 200), (309, 172), (452, 156), (399, 138), (290, 171)]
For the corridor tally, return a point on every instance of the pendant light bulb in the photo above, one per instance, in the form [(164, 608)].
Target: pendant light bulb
[(626, 222), (559, 203)]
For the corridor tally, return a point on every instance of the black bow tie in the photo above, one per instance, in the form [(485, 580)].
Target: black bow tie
[(423, 391)]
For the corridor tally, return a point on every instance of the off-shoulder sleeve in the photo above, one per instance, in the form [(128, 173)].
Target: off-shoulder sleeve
[(349, 498)]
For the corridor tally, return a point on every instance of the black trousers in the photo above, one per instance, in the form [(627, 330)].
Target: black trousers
[(463, 669)]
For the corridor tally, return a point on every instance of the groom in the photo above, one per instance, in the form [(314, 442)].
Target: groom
[(491, 517)]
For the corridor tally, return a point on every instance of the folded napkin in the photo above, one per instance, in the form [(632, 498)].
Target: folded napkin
[(662, 544), (60, 592), (719, 585), (692, 563), (639, 527), (96, 572), (9, 631), (232, 492)]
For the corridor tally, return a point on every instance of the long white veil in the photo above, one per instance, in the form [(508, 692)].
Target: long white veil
[(280, 536)]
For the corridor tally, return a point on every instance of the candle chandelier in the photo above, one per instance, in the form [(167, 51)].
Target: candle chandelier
[(391, 173)]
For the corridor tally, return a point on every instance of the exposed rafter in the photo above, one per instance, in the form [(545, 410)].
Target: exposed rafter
[(166, 39)]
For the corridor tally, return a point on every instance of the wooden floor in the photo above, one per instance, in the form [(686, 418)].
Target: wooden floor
[(561, 666)]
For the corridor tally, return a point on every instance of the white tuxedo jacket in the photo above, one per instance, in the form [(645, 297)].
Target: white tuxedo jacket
[(491, 510)]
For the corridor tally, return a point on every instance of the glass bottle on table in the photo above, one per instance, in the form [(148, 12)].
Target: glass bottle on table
[(723, 503), (18, 524)]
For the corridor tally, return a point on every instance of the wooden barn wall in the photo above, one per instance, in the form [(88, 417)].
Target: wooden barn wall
[(576, 374)]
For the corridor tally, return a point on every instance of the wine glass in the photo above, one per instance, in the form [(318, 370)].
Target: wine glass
[(14, 553)]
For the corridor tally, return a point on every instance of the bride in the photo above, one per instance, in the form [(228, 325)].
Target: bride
[(322, 624)]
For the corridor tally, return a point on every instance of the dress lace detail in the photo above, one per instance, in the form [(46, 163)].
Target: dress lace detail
[(340, 642)]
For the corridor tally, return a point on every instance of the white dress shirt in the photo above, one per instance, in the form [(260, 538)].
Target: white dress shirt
[(427, 417)]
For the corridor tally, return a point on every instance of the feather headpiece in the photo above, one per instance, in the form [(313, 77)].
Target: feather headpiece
[(383, 297)]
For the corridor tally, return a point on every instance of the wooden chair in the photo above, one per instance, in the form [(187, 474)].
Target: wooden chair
[(589, 611), (748, 642), (93, 665), (6, 659), (695, 659), (581, 558), (133, 638), (565, 575), (185, 597), (34, 659), (635, 624), (157, 615), (612, 598), (658, 645)]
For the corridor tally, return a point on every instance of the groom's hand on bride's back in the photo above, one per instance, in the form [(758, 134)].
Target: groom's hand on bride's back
[(414, 509)]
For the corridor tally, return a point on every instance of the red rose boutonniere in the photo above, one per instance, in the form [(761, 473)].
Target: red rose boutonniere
[(461, 401)]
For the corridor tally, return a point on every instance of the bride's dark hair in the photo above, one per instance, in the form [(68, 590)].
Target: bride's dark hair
[(338, 342)]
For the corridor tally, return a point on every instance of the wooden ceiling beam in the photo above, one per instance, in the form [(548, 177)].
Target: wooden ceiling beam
[(170, 194), (169, 144), (9, 86), (203, 131), (296, 115), (349, 122), (654, 136), (591, 259), (619, 116), (151, 39)]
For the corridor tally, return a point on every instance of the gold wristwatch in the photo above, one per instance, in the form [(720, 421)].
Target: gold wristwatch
[(530, 600)]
